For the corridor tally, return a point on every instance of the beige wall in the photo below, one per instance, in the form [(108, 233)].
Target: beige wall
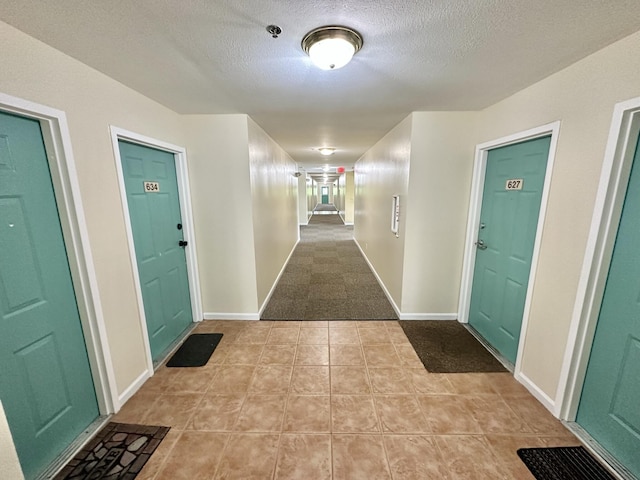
[(380, 173), (218, 155), (92, 102), (9, 463), (349, 198), (582, 97), (274, 191), (435, 211)]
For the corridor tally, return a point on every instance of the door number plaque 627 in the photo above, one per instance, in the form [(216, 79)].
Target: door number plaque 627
[(514, 184), (151, 187)]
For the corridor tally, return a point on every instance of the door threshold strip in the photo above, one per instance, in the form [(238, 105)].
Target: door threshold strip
[(73, 449), (606, 459), (501, 358)]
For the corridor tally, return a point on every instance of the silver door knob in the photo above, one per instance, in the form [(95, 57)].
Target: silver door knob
[(481, 245)]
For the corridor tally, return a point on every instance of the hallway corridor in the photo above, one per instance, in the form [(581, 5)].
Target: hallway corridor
[(328, 278), (334, 400)]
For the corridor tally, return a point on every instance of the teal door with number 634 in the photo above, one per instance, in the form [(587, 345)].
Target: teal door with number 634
[(156, 223), (513, 185)]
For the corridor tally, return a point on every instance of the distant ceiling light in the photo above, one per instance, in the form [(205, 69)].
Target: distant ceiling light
[(326, 151), (331, 47)]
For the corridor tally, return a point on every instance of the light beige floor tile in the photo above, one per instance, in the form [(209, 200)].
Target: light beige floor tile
[(374, 336), (400, 414), (381, 356), (344, 336), (471, 383), (538, 418), (278, 355), (232, 379), (286, 335), (304, 457), (353, 413), (160, 455), (314, 324), (312, 355), (253, 335), (249, 456), (173, 410), (428, 383), (136, 408), (397, 336), (314, 336), (271, 380), (468, 457), (310, 380), (359, 457), (505, 449), (390, 380), (244, 354), (194, 455), (413, 457), (217, 412), (159, 381), (371, 324), (308, 413), (287, 323), (342, 324), (493, 415), (348, 380), (190, 380), (346, 355), (446, 414), (408, 356), (261, 413), (505, 384)]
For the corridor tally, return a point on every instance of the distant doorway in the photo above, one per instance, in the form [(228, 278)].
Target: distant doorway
[(325, 195)]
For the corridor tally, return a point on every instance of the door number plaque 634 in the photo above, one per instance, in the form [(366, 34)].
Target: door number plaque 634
[(151, 187), (514, 184)]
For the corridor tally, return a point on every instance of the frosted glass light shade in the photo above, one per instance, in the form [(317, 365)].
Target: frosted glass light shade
[(331, 53), (331, 47)]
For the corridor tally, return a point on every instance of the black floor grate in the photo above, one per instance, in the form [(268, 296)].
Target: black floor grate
[(563, 463)]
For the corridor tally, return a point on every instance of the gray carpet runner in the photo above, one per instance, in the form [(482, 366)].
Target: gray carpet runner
[(327, 278)]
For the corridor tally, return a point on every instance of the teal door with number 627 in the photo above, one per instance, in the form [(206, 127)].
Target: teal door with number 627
[(156, 223), (513, 185)]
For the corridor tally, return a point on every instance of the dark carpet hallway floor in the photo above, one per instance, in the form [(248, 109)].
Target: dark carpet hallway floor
[(327, 278)]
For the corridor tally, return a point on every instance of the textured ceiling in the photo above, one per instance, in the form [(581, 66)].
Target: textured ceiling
[(215, 56)]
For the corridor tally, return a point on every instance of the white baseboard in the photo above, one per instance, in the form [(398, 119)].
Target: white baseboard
[(275, 283), (231, 316), (542, 397), (380, 282), (428, 316), (348, 223), (132, 389)]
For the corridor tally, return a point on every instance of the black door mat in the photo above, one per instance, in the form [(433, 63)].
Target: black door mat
[(117, 452), (563, 463), (196, 350), (445, 346)]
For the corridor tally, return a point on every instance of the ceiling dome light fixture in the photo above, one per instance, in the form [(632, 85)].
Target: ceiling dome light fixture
[(326, 151), (331, 47)]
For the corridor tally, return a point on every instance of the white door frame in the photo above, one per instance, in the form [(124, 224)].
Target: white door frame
[(475, 206), (614, 178), (57, 140), (184, 193)]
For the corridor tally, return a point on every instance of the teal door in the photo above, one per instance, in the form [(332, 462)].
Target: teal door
[(325, 195), (513, 185), (154, 209), (610, 403), (45, 380)]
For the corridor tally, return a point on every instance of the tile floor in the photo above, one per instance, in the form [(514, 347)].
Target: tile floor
[(334, 400)]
